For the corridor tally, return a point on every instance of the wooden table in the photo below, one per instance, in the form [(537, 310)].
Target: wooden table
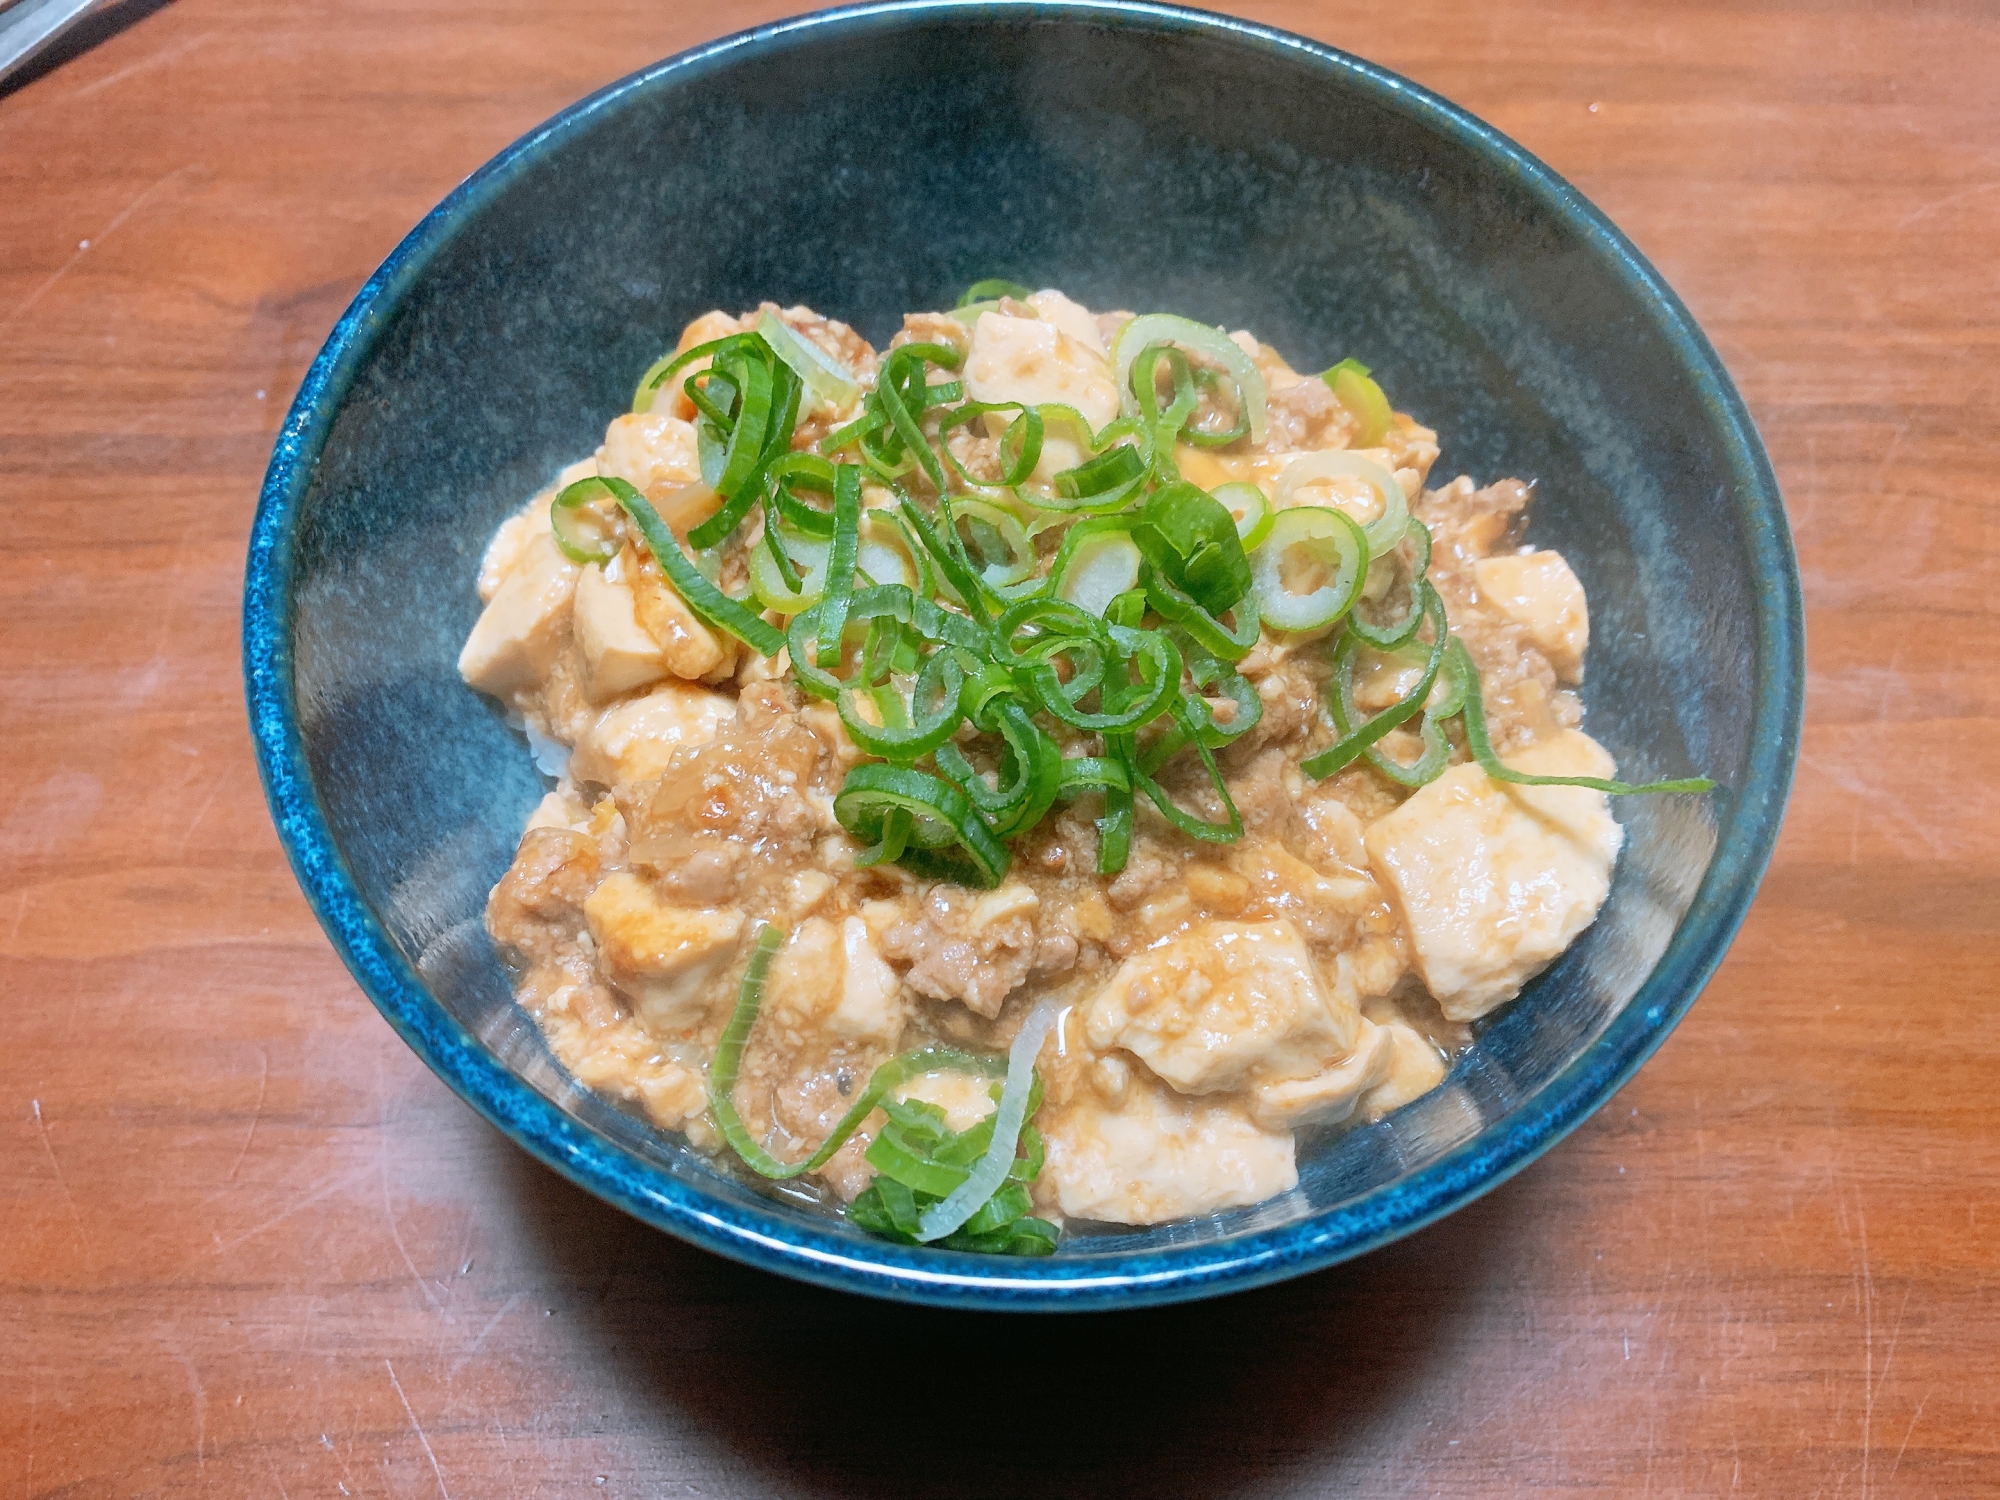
[(252, 1247)]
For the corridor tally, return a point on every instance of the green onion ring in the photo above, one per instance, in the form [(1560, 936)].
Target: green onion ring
[(932, 715), (941, 816), (1388, 637), (1025, 432), (1334, 537), (1230, 828), (566, 513), (1213, 343)]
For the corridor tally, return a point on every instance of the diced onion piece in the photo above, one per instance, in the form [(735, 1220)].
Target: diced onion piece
[(1197, 338), (1252, 511), (941, 1218), (1097, 568), (1387, 528), (1330, 538), (822, 374)]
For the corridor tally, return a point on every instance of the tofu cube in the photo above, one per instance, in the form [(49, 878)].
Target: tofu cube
[(686, 645), (1493, 881), (664, 959), (1227, 1004), (1159, 1155), (1538, 591), (636, 740), (619, 653), (1034, 361), (829, 978), (650, 450), (525, 625)]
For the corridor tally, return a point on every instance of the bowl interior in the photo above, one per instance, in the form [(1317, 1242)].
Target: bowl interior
[(879, 162)]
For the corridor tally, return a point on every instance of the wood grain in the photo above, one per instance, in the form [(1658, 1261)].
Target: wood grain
[(253, 1248)]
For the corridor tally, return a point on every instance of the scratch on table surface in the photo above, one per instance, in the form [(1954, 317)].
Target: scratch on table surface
[(200, 1408), (69, 1198), (324, 1190), (208, 802), (491, 1323), (256, 1114), (1906, 1434), (144, 65), (443, 1488), (1937, 205), (84, 249), (1865, 1287), (396, 1234), (34, 1408)]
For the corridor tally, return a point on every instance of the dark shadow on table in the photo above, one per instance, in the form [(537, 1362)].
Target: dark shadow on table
[(818, 1393), (103, 23)]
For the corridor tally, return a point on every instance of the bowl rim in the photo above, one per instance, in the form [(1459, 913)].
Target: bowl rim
[(759, 1236)]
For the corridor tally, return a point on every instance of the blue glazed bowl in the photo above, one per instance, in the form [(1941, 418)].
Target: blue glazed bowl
[(880, 158)]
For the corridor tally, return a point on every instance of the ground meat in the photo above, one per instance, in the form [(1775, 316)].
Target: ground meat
[(1303, 416), (933, 328), (1146, 872), (748, 787), (537, 909), (969, 946)]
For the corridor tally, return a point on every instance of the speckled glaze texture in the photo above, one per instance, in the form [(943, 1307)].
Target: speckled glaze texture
[(879, 158)]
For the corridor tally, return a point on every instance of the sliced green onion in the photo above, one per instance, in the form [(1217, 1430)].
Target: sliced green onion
[(728, 1062), (663, 369), (1098, 561), (1023, 436), (1358, 736), (1230, 828), (1387, 637), (1162, 426), (1113, 774), (906, 732), (840, 557), (1190, 539), (1329, 538), (1230, 642), (993, 289), (958, 577), (1030, 776), (1211, 676), (582, 533), (704, 598), (1100, 484), (1249, 508), (1388, 526), (903, 393), (1481, 746), (768, 560), (985, 1179), (1363, 399), (1213, 343), (940, 818), (823, 374), (791, 472), (995, 542), (1208, 437)]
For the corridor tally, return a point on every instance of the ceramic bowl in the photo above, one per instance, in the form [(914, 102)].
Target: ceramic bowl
[(880, 158)]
